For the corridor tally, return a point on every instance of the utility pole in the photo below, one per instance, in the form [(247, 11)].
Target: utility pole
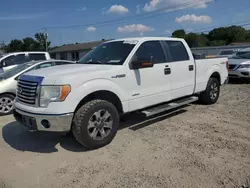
[(46, 39)]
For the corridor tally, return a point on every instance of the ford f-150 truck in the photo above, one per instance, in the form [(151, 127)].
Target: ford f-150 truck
[(149, 75)]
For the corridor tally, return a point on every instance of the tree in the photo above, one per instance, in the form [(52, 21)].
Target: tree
[(179, 33), (29, 44), (41, 39), (15, 46)]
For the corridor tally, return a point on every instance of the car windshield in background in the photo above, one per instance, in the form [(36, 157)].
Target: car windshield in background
[(227, 52), (242, 55), (15, 70), (111, 53)]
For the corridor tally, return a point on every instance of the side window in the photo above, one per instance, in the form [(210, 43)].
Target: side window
[(7, 61), (62, 63), (34, 57), (177, 51), (19, 59), (151, 50), (44, 65)]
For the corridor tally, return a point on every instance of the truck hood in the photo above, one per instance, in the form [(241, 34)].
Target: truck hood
[(238, 61), (67, 70), (75, 73)]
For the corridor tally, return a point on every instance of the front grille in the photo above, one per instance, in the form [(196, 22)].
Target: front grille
[(27, 91), (231, 67)]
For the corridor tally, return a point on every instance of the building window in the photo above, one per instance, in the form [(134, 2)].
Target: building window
[(53, 55), (74, 56), (63, 55)]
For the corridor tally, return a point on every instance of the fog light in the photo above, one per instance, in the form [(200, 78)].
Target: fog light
[(45, 123)]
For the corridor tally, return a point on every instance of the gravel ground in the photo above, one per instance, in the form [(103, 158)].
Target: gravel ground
[(196, 146)]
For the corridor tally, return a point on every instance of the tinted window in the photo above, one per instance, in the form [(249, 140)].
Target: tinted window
[(150, 51), (37, 57), (177, 51)]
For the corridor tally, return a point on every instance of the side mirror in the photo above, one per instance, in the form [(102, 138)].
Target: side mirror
[(140, 64)]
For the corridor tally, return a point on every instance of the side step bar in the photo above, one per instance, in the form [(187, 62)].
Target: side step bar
[(169, 106)]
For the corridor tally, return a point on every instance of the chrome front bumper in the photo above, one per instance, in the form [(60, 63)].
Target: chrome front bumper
[(44, 122)]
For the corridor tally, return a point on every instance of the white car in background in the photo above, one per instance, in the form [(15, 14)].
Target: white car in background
[(226, 53), (8, 81), (10, 60), (239, 64)]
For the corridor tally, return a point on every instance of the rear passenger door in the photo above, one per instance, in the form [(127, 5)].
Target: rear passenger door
[(182, 69)]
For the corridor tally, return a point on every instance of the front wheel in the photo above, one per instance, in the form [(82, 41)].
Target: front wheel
[(95, 124), (6, 104), (212, 92)]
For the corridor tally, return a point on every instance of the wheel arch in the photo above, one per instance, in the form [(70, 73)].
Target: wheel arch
[(103, 95), (216, 75)]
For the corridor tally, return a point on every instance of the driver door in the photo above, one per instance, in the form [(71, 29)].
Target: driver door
[(151, 85)]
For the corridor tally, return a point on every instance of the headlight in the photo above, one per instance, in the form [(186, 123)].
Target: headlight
[(53, 94), (242, 66)]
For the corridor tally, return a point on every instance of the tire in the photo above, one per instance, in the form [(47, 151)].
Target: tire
[(6, 104), (89, 122), (211, 94)]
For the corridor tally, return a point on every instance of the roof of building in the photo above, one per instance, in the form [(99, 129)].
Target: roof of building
[(77, 46)]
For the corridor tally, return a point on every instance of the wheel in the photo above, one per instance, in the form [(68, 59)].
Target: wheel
[(212, 92), (6, 104), (95, 124)]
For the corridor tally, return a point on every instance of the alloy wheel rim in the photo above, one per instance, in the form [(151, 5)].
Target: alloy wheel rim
[(214, 91), (100, 125), (6, 105)]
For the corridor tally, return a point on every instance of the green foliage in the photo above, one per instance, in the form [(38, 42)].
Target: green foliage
[(29, 44), (179, 33), (217, 37)]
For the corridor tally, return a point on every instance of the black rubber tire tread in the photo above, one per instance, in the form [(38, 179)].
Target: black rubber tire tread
[(10, 96), (205, 96), (80, 123)]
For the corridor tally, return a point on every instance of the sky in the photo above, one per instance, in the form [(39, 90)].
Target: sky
[(90, 20)]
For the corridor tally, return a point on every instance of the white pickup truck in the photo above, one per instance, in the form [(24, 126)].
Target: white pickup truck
[(149, 75)]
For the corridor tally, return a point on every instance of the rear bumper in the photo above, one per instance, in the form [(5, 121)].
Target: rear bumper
[(44, 122)]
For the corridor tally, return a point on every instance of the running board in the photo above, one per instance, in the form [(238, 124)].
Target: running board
[(169, 106)]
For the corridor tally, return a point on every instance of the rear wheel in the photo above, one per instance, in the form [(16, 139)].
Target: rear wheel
[(6, 104), (212, 92), (95, 124)]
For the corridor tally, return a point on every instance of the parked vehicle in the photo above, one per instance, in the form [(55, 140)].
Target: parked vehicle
[(226, 53), (149, 75), (8, 81), (239, 64), (10, 60)]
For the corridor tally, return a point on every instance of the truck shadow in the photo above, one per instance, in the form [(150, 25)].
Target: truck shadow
[(20, 139)]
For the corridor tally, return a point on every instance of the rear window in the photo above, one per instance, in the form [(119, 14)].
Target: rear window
[(37, 57)]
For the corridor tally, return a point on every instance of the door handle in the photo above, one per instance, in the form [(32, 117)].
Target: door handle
[(167, 71), (191, 67)]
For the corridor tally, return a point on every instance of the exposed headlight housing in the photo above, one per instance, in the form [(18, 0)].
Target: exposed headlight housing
[(242, 66), (50, 94)]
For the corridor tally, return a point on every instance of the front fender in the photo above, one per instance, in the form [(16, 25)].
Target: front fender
[(91, 86)]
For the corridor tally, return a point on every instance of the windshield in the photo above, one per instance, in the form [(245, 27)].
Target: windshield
[(111, 53), (242, 55), (15, 70), (227, 52)]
